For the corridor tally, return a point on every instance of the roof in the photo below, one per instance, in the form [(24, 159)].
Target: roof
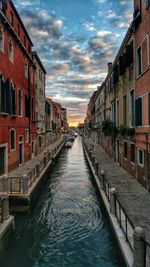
[(19, 19)]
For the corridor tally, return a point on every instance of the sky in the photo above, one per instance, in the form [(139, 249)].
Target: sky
[(75, 39)]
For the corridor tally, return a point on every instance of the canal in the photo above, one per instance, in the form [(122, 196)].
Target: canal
[(67, 227)]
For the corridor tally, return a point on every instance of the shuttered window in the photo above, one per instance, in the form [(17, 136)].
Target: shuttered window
[(147, 4), (122, 65), (139, 61), (132, 155), (132, 109), (7, 97), (129, 54), (138, 111)]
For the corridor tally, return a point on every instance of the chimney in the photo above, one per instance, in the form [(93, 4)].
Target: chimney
[(109, 64)]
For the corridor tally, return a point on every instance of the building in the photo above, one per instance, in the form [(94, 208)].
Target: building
[(64, 123), (49, 111), (40, 74), (57, 122), (115, 107), (17, 94), (142, 92), (90, 118)]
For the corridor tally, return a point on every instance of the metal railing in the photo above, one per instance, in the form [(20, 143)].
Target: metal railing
[(124, 222)]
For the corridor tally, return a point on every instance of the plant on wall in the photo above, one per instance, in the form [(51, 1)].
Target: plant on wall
[(109, 128)]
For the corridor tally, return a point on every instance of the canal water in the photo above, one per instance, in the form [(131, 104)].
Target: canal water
[(67, 227)]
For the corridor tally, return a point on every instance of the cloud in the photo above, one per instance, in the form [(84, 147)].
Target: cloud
[(75, 50)]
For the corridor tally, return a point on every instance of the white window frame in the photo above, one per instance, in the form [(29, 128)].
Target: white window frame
[(12, 129), (27, 135), (141, 164)]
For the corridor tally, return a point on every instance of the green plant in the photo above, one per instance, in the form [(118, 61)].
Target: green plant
[(109, 128), (123, 130), (130, 131)]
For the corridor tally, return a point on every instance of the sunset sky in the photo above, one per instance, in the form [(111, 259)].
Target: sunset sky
[(75, 39)]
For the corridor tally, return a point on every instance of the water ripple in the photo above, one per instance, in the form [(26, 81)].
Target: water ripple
[(67, 227)]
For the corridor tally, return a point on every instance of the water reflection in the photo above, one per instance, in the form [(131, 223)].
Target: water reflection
[(67, 227)]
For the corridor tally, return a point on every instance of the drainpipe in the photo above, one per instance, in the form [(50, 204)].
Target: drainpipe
[(147, 163), (30, 104)]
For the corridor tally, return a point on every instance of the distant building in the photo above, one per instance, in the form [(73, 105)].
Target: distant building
[(64, 123), (49, 111), (17, 95), (40, 74), (57, 123)]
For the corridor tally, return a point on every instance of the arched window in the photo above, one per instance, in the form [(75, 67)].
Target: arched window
[(26, 70), (1, 39), (12, 99), (12, 139), (10, 50), (19, 103)]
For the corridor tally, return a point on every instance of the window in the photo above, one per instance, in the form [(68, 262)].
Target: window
[(27, 135), (18, 30), (124, 109), (12, 99), (32, 108), (31, 75), (11, 19), (126, 150), (10, 51), (113, 108), (132, 153), (132, 109), (138, 111), (40, 141), (24, 41), (19, 103), (26, 70), (29, 48), (27, 106), (1, 39), (12, 139), (139, 61), (117, 112), (140, 157), (147, 4)]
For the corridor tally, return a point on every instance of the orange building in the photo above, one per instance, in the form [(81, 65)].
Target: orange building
[(142, 92)]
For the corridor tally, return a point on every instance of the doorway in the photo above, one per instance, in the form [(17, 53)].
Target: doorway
[(117, 150), (21, 150)]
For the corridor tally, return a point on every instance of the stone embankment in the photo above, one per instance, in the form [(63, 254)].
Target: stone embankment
[(127, 202), (20, 188)]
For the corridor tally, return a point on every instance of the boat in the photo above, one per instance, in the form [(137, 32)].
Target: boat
[(68, 144), (71, 139)]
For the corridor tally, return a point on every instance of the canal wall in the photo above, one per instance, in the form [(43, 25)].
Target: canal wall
[(128, 205), (124, 252), (36, 173), (24, 199)]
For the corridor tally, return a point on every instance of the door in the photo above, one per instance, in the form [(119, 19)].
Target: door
[(117, 150), (2, 160), (20, 153)]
